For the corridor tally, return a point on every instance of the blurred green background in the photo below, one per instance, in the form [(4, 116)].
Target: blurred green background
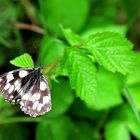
[(26, 24)]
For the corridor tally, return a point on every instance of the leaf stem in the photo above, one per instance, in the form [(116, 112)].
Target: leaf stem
[(102, 120), (31, 27), (20, 119), (23, 119), (51, 66), (30, 10), (130, 99)]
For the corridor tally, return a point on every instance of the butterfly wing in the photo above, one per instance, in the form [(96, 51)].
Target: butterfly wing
[(10, 84), (27, 87), (37, 100)]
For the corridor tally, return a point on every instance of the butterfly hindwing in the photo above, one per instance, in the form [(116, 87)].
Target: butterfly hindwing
[(37, 101)]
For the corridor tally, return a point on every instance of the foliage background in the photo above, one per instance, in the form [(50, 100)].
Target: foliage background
[(25, 24)]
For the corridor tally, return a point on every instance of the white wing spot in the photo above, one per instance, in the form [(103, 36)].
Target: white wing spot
[(35, 105), (11, 96), (11, 89), (7, 86), (46, 100), (38, 96), (33, 98), (13, 101), (21, 103), (9, 77), (39, 107), (18, 100), (0, 79), (16, 83), (48, 109), (26, 96), (23, 73), (43, 86), (25, 109)]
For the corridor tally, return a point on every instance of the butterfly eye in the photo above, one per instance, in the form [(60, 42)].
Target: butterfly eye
[(29, 88)]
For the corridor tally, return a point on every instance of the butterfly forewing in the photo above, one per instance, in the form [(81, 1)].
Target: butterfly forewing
[(11, 83), (27, 87)]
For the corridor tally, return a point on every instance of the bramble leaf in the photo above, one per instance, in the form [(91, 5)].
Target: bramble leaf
[(64, 13), (72, 38), (112, 51), (117, 131), (125, 116), (82, 74), (23, 61), (107, 97), (58, 128)]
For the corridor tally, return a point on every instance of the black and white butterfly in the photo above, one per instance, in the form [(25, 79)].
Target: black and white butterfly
[(29, 88)]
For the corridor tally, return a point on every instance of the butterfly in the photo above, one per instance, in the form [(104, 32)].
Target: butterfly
[(27, 87)]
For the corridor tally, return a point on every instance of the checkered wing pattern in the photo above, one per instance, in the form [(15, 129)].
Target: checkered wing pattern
[(29, 88)]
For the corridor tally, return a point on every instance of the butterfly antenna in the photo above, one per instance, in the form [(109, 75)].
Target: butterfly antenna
[(39, 59)]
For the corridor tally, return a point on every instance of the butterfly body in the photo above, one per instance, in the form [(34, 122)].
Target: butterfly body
[(29, 88)]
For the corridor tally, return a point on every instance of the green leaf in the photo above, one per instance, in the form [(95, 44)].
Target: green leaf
[(58, 128), (6, 109), (130, 100), (107, 97), (63, 128), (2, 57), (82, 74), (84, 131), (112, 28), (9, 15), (61, 12), (94, 26), (135, 93), (51, 50), (72, 38), (134, 78), (62, 97), (13, 131), (125, 115), (80, 110), (112, 51), (115, 130), (24, 61), (134, 128)]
